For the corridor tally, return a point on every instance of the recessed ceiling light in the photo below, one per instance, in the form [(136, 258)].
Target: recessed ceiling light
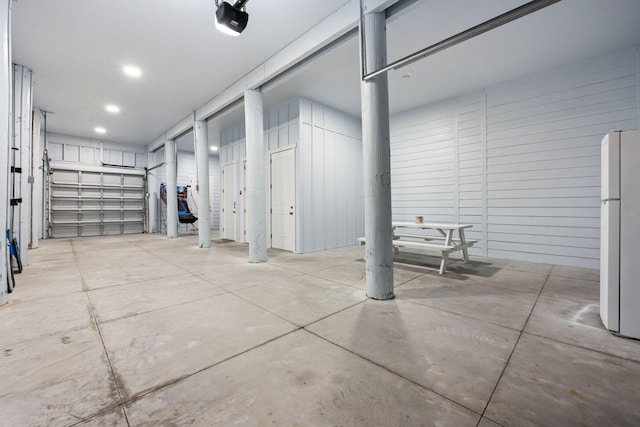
[(100, 130), (132, 71), (112, 108), (213, 148), (407, 75)]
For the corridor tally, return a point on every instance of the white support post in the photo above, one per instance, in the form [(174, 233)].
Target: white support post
[(172, 192), (257, 224), (5, 108), (202, 159), (377, 163), (153, 193)]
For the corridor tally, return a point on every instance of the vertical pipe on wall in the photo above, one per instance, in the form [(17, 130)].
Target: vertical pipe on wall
[(257, 206), (46, 182), (172, 191), (36, 185), (376, 161), (202, 160), (152, 194), (5, 107)]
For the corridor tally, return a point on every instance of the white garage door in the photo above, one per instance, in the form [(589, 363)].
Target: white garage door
[(94, 203)]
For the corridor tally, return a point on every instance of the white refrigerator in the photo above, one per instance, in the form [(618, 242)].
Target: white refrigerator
[(620, 233)]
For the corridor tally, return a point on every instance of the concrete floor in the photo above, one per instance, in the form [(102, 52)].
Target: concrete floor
[(143, 331)]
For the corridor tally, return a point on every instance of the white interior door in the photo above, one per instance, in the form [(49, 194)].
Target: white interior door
[(229, 201), (283, 215), (245, 202)]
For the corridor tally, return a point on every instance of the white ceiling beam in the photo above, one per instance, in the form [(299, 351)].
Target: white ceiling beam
[(334, 26)]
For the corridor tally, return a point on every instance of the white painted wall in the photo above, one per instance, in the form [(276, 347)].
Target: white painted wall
[(520, 160), (187, 168), (87, 151), (329, 187), (232, 143)]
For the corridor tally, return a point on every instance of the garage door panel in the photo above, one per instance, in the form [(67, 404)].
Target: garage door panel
[(90, 203), (134, 204), (111, 179), (90, 230), (91, 192), (134, 181), (62, 177), (90, 178), (65, 230), (111, 216), (132, 228), (132, 216)]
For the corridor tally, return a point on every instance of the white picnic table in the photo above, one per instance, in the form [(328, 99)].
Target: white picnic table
[(405, 234)]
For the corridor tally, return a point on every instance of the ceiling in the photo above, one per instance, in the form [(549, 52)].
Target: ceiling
[(77, 49)]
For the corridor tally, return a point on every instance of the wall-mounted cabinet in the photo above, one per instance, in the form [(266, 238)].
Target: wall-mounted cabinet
[(95, 201)]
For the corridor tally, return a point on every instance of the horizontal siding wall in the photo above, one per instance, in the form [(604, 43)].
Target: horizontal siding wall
[(520, 160), (436, 165), (471, 148), (543, 158)]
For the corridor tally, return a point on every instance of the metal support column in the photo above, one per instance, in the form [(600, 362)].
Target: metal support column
[(172, 192), (256, 197), (377, 162), (202, 159)]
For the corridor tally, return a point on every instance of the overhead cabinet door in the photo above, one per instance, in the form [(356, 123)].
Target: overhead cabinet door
[(92, 203)]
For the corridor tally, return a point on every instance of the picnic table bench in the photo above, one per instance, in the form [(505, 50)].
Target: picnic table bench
[(405, 235)]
